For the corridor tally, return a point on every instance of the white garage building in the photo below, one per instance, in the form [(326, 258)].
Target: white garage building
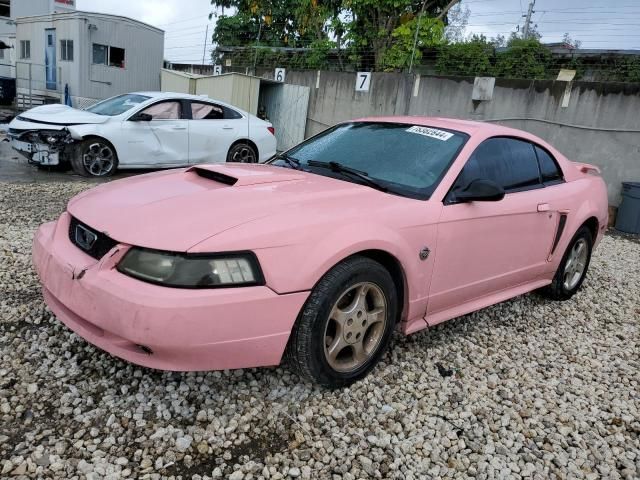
[(95, 55)]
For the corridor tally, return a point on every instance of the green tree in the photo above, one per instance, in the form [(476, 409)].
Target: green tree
[(470, 58), (373, 23), (523, 59), (430, 33), (374, 33)]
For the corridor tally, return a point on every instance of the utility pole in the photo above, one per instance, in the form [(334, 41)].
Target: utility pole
[(204, 48), (527, 22)]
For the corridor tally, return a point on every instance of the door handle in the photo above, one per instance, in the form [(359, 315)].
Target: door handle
[(179, 128), (227, 127), (543, 207)]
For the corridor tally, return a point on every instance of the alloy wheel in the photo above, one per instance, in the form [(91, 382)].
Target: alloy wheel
[(243, 154), (355, 327), (98, 159), (575, 265)]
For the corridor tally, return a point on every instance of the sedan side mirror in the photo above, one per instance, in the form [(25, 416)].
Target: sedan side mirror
[(480, 190), (141, 117)]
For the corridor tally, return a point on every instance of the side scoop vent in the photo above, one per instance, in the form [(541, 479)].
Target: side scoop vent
[(213, 175)]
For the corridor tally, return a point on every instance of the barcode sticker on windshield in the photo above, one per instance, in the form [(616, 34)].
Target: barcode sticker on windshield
[(431, 132)]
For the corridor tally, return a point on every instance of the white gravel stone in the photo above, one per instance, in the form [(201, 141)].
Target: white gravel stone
[(541, 390)]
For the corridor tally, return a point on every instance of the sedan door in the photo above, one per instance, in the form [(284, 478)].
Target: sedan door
[(486, 247), (212, 130), (157, 135)]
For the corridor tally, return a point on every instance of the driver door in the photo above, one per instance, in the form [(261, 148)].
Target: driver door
[(485, 247), (163, 140)]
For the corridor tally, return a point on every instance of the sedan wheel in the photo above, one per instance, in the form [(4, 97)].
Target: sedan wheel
[(98, 159), (242, 153), (95, 158), (346, 323)]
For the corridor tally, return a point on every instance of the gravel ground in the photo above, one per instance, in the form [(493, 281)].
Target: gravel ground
[(527, 388)]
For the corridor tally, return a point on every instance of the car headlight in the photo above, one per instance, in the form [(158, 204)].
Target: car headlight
[(192, 270)]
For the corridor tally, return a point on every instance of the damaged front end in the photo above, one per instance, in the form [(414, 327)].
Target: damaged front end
[(42, 147)]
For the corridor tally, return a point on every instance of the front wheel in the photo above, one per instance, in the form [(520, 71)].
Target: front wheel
[(94, 157), (573, 267), (242, 153), (345, 325)]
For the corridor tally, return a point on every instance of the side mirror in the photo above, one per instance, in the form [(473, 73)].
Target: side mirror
[(480, 190), (141, 117)]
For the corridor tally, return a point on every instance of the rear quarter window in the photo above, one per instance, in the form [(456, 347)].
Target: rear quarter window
[(549, 168)]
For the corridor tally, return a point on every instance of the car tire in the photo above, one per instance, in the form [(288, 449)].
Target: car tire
[(94, 157), (345, 325), (242, 153), (573, 268)]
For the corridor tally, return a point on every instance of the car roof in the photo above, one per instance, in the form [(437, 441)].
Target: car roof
[(466, 126), (186, 96), (171, 95)]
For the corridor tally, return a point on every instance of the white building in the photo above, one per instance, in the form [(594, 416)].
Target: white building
[(95, 55), (10, 10)]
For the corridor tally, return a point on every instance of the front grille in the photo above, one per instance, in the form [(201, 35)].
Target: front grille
[(98, 248)]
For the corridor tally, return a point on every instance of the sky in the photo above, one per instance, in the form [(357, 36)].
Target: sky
[(600, 24)]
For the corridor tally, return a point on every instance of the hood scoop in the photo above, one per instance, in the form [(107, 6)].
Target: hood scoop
[(213, 175), (243, 174)]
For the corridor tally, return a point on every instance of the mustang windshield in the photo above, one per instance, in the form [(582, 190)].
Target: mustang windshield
[(408, 160), (117, 105)]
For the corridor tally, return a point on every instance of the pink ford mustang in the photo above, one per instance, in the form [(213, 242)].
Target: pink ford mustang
[(320, 253)]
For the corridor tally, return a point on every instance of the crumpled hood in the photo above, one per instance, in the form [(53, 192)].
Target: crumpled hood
[(59, 115), (177, 209)]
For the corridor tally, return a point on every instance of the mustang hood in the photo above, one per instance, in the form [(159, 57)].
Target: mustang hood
[(60, 115), (177, 209)]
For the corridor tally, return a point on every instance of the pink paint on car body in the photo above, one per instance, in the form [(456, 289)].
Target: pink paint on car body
[(299, 225)]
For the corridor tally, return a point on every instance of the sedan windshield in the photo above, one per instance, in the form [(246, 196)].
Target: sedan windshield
[(117, 105), (406, 159)]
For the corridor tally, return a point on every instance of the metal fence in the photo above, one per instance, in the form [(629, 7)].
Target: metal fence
[(37, 84)]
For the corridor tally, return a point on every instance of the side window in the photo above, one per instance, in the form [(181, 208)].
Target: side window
[(206, 111), (509, 162), (548, 167), (231, 114), (165, 111)]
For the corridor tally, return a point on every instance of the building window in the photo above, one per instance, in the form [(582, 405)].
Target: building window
[(25, 49), (100, 54), (106, 55), (116, 57), (66, 50), (2, 54), (5, 8)]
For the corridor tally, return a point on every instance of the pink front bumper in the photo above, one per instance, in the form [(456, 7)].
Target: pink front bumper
[(185, 329)]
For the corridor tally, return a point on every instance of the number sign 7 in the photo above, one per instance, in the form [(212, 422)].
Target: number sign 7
[(363, 80)]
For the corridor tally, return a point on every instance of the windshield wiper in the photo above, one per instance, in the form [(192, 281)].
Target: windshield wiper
[(292, 162), (339, 168)]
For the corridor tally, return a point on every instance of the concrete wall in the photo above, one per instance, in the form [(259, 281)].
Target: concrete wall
[(600, 125)]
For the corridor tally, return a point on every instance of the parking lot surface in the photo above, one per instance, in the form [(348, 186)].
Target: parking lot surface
[(526, 389)]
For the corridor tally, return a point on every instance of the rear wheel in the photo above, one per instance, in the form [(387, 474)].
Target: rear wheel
[(94, 157), (573, 268), (346, 324), (242, 153)]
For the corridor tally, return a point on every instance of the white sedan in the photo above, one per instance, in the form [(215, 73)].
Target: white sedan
[(141, 130)]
